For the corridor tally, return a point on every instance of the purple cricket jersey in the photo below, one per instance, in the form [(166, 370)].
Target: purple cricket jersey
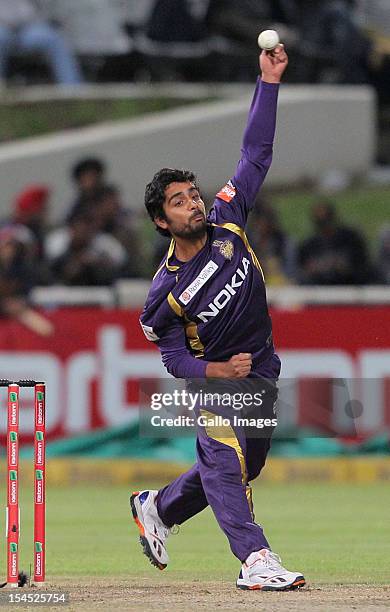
[(214, 305)]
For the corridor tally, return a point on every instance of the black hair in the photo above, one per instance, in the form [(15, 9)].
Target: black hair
[(155, 192), (87, 164)]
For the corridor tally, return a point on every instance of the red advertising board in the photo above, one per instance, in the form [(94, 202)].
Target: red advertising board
[(94, 359)]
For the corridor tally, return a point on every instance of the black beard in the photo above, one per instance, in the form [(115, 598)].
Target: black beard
[(191, 233)]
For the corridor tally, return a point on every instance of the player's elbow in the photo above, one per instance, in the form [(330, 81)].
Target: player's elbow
[(171, 369), (172, 365), (260, 156), (183, 365)]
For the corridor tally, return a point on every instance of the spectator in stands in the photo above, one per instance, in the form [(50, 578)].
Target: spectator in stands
[(81, 255), (24, 29), (335, 254), (331, 42), (236, 26), (88, 175), (273, 247), (174, 41), (113, 218), (30, 210), (384, 255), (18, 276), (243, 21), (178, 21), (375, 20)]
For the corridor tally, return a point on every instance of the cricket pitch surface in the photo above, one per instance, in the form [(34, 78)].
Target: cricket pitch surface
[(97, 594)]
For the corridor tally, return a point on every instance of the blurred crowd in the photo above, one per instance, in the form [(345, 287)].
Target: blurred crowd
[(101, 240), (333, 254), (338, 41), (96, 243)]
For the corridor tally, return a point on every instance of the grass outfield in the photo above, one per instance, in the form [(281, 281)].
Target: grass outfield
[(334, 533), (27, 119)]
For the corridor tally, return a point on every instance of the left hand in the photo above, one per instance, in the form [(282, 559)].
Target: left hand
[(273, 64)]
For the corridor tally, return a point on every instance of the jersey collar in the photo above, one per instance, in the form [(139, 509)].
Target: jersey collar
[(171, 251)]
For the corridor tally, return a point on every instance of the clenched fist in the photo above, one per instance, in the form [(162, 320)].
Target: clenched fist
[(238, 366)]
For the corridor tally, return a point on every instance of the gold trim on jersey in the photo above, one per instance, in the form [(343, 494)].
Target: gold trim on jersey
[(170, 253), (160, 268), (225, 434), (190, 327), (248, 492), (236, 229), (166, 263), (177, 309), (191, 330)]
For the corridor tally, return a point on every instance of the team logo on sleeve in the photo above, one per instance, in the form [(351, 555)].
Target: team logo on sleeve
[(227, 193), (198, 283), (149, 333), (226, 248)]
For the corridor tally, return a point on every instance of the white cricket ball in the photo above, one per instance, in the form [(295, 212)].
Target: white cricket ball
[(268, 40)]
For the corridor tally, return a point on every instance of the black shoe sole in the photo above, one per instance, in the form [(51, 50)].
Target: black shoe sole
[(146, 549)]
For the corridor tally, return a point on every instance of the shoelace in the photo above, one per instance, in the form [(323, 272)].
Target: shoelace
[(164, 532), (273, 561)]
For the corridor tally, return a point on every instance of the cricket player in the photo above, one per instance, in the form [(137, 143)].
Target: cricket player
[(207, 313)]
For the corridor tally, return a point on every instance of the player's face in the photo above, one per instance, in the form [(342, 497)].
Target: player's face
[(185, 211)]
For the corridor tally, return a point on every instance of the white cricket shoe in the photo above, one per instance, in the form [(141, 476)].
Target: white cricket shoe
[(263, 571), (153, 532)]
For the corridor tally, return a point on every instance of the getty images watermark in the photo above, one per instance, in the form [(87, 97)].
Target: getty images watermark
[(200, 409), (295, 409)]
